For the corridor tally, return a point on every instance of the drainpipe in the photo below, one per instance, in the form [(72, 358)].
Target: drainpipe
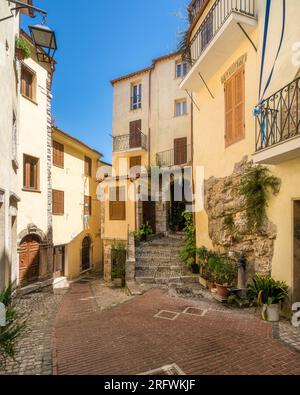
[(149, 117)]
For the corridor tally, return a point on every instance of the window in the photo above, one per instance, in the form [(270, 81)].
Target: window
[(136, 96), (87, 205), (58, 202), (180, 107), (235, 108), (117, 208), (14, 139), (30, 172), (181, 69), (88, 167), (28, 83), (135, 163), (58, 154)]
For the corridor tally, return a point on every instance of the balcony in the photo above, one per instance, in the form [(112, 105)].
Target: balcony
[(131, 141), (174, 157), (216, 39), (278, 126)]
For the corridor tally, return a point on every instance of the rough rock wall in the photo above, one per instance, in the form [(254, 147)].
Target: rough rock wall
[(228, 228)]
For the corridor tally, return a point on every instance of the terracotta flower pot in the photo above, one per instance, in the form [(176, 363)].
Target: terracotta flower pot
[(222, 290), (19, 54)]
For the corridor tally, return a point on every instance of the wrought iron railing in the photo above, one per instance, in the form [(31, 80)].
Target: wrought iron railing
[(279, 117), (213, 22), (174, 157), (195, 8), (129, 141)]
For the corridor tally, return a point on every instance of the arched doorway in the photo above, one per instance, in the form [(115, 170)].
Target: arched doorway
[(86, 254), (29, 259)]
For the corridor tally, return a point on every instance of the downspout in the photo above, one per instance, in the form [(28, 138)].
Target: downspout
[(192, 152), (149, 118)]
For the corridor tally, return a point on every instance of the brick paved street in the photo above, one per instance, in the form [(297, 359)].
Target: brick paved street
[(136, 337)]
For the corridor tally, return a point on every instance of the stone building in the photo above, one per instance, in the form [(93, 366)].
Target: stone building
[(35, 244), (151, 127), (9, 121), (225, 51)]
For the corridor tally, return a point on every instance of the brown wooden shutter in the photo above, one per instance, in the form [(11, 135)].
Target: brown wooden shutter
[(31, 164), (135, 139), (239, 105), (88, 166), (135, 161), (235, 108), (58, 202), (58, 154), (117, 208), (180, 151)]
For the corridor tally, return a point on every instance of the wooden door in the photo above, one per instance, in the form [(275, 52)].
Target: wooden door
[(149, 214), (85, 254), (135, 136), (29, 259), (180, 151)]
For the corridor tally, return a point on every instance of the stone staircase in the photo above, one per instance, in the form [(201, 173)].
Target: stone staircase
[(158, 262)]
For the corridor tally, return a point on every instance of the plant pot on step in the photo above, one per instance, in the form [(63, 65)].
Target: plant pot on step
[(222, 290), (211, 285), (270, 312)]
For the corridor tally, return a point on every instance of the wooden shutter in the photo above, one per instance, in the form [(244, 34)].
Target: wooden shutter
[(135, 161), (117, 208), (58, 202), (88, 166), (30, 179), (180, 151), (135, 139), (26, 83), (58, 154), (88, 205), (235, 108)]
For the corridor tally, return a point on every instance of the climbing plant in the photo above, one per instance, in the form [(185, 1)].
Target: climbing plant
[(188, 252), (256, 185)]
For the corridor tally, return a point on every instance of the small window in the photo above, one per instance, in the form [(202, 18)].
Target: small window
[(28, 83), (88, 205), (14, 138), (181, 69), (135, 163), (88, 167), (117, 207), (30, 172), (136, 96), (180, 108), (58, 202), (58, 154)]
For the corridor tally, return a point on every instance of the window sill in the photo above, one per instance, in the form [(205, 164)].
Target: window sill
[(31, 190), (58, 215), (180, 116), (29, 99), (60, 167)]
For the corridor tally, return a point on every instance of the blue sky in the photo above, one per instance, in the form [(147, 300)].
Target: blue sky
[(98, 43)]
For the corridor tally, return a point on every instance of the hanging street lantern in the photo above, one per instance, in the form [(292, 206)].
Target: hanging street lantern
[(44, 40)]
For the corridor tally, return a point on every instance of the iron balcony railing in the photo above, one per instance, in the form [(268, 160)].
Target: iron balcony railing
[(174, 157), (279, 117), (195, 8), (215, 19), (129, 141)]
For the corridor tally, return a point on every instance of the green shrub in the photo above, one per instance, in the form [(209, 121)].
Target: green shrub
[(118, 258), (222, 269), (22, 44), (144, 232), (188, 252), (10, 333), (266, 290)]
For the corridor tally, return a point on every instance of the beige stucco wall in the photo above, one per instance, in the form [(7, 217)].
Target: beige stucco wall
[(69, 229), (209, 128), (8, 175), (33, 142)]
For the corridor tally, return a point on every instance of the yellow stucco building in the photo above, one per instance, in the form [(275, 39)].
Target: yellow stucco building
[(75, 208), (225, 52)]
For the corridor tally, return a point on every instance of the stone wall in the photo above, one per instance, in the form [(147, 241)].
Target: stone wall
[(224, 205)]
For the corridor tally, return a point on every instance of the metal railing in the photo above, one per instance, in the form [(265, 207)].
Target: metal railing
[(174, 158), (195, 8), (129, 141), (279, 117), (136, 102), (215, 19)]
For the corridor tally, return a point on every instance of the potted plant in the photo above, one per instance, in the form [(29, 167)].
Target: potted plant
[(118, 271), (224, 272), (144, 232), (206, 277), (22, 49), (268, 293), (176, 218), (188, 252)]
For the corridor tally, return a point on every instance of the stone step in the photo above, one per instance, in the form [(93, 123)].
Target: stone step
[(159, 261), (163, 242), (157, 266), (170, 281)]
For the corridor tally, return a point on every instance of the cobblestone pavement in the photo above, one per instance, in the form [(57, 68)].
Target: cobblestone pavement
[(155, 330), (287, 334), (34, 356)]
